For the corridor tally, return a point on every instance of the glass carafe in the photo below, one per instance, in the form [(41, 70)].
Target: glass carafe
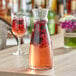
[(40, 55)]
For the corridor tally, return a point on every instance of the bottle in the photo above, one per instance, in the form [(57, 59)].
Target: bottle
[(51, 22), (69, 6), (54, 6), (73, 6), (40, 3), (60, 15), (9, 8), (30, 25), (15, 7), (56, 24), (65, 8), (57, 7), (2, 7), (40, 54), (61, 8), (32, 3)]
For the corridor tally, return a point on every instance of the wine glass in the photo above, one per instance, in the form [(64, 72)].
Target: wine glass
[(19, 29)]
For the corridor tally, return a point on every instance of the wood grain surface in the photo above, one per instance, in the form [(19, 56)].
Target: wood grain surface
[(11, 65)]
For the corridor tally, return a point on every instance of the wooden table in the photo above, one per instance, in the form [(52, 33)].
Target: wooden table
[(64, 63)]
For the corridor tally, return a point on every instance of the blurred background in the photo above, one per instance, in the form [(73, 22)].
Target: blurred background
[(57, 10)]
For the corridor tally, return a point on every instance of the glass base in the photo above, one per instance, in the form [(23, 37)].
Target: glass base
[(45, 68)]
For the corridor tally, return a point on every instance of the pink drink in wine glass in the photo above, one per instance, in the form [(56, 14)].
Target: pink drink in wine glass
[(19, 29)]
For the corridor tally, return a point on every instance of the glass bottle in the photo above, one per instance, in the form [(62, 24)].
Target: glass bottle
[(73, 7), (54, 6), (51, 22), (52, 25), (65, 8), (9, 8), (69, 6), (2, 8), (18, 6), (40, 55), (61, 8), (40, 3)]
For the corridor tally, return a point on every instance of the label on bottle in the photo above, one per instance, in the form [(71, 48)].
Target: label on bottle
[(51, 26)]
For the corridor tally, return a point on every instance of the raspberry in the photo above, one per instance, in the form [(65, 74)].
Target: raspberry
[(39, 35), (21, 26), (43, 31)]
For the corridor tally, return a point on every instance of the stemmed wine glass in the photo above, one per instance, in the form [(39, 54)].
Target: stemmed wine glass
[(19, 29)]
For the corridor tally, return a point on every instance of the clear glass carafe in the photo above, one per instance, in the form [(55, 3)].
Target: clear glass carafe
[(40, 55)]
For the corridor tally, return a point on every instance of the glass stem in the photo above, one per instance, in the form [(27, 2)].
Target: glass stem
[(19, 48)]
